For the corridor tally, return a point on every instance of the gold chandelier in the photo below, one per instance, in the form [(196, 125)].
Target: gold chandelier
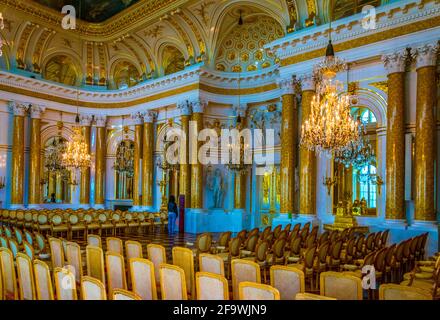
[(76, 154), (330, 126)]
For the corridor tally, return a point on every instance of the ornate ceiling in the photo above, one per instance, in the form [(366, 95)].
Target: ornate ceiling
[(152, 38), (94, 11)]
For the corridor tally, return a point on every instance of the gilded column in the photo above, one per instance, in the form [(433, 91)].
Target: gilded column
[(17, 177), (100, 160), (307, 158), (35, 156), (138, 124), (395, 140), (147, 159), (185, 169), (426, 58), (288, 143), (84, 196), (240, 178), (196, 166)]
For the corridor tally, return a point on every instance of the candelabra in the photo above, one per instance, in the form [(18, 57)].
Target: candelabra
[(2, 182), (329, 183), (378, 181)]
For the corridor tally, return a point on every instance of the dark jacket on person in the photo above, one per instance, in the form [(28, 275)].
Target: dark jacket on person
[(172, 207)]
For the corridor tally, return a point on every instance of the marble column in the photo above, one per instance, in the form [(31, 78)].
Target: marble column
[(240, 178), (307, 158), (395, 141), (84, 196), (185, 169), (147, 160), (196, 167), (35, 156), (100, 166), (289, 128), (17, 176), (426, 59), (138, 126)]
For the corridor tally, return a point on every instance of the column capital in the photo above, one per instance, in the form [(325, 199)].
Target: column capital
[(184, 108), (36, 111), (240, 110), (308, 82), (85, 120), (198, 105), (137, 118), (150, 116), (101, 121), (425, 55), (395, 62), (19, 108), (287, 85)]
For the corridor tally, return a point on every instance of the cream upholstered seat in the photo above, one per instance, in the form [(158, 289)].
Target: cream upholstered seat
[(172, 282), (133, 249), (210, 286), (65, 284), (25, 276), (157, 255), (94, 240), (184, 258), (95, 263), (288, 280), (311, 296), (243, 270), (115, 272), (115, 245), (143, 278), (211, 263), (401, 292), (56, 252), (257, 291), (74, 259), (340, 286), (92, 289), (121, 294), (9, 279), (43, 281)]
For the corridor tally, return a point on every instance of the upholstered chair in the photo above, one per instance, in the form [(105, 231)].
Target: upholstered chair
[(65, 284), (143, 279), (25, 276), (92, 289), (183, 258), (115, 245), (121, 294), (157, 255), (115, 267), (243, 270), (43, 281), (257, 291), (211, 263), (9, 279), (402, 292), (340, 286), (311, 296), (95, 263), (56, 252), (94, 240), (74, 259), (288, 280), (211, 286), (172, 282)]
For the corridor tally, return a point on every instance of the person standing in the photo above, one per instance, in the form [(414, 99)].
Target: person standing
[(172, 214)]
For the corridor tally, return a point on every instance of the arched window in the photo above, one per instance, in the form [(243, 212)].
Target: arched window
[(368, 117), (367, 186)]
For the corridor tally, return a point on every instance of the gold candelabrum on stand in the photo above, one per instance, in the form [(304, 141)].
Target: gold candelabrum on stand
[(329, 182), (378, 181), (162, 164)]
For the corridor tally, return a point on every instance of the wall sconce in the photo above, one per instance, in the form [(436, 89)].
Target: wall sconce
[(2, 182), (329, 183), (377, 180)]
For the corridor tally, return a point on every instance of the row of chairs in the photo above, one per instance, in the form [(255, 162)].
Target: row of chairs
[(81, 222)]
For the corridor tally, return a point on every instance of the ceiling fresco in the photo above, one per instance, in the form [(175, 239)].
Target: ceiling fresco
[(91, 10)]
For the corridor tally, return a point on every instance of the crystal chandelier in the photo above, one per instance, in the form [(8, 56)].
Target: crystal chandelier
[(357, 153), (330, 126), (76, 153), (53, 160), (239, 147)]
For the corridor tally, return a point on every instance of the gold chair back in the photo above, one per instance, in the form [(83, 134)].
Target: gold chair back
[(311, 296), (243, 270), (211, 286), (115, 272), (43, 281), (211, 263), (156, 254), (9, 277), (115, 245), (56, 252), (95, 263), (257, 291), (143, 278), (172, 282), (133, 249), (340, 286), (401, 292), (121, 294), (288, 280), (92, 289), (94, 240), (74, 259), (25, 275), (184, 258), (65, 284)]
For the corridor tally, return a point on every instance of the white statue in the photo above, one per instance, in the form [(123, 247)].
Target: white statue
[(216, 185)]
